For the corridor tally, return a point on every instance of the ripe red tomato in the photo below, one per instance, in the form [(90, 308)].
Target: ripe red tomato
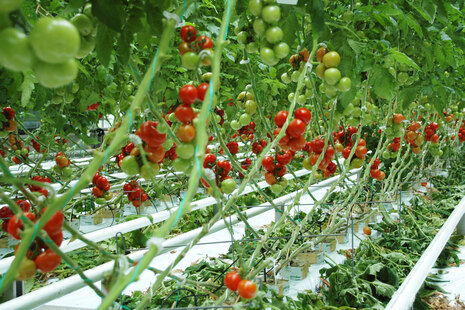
[(204, 42), (23, 204), (296, 128), (434, 126), (188, 33), (149, 134), (280, 170), (58, 238), (270, 178), (188, 94), (375, 164), (330, 151), (284, 157), (54, 223), (247, 289), (434, 139), (268, 163), (231, 280), (296, 144), (186, 133), (233, 147), (184, 113), (154, 154), (346, 152), (209, 161), (184, 48), (367, 230), (97, 192), (381, 176), (394, 147), (375, 173), (398, 118), (202, 90), (304, 115), (361, 151), (318, 145), (223, 166), (15, 226), (47, 261), (280, 118)]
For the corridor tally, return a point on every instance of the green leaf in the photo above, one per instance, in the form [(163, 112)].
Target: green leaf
[(109, 12), (430, 9), (124, 42), (383, 83), (383, 289), (317, 12), (407, 96), (412, 23), (402, 58), (26, 88), (357, 46), (155, 9), (289, 25), (104, 43)]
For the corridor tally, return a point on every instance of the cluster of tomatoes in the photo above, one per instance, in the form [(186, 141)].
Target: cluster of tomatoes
[(171, 153), (193, 49), (461, 133), (275, 168), (430, 133), (6, 214), (314, 149), (36, 146), (294, 139), (327, 71), (267, 34), (39, 256), (233, 147), (8, 123), (101, 189), (62, 167), (360, 154), (245, 101), (258, 146), (245, 164), (38, 189), (136, 194), (375, 172), (343, 138), (245, 288), (21, 152), (246, 132), (217, 171), (153, 140)]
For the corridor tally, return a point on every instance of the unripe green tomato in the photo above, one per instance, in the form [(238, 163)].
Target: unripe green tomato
[(301, 99), (344, 84), (318, 175), (357, 112), (307, 164), (271, 14), (392, 71), (245, 119), (250, 107), (290, 97), (149, 170), (332, 76), (255, 7), (307, 82), (75, 88), (402, 77), (348, 16), (259, 27), (356, 163), (295, 76), (274, 35), (207, 76), (172, 117), (217, 118), (185, 150), (57, 169), (181, 165), (309, 94), (242, 37), (252, 48), (283, 182), (330, 90), (167, 144), (190, 60), (285, 78), (235, 125), (67, 171), (281, 50), (276, 188), (16, 54)]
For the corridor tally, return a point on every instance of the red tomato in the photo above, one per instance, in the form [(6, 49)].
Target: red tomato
[(23, 204), (204, 42), (184, 48), (346, 152), (375, 173), (394, 147), (186, 133), (296, 128), (367, 230), (375, 164), (280, 118), (15, 226), (231, 280), (434, 139), (54, 223), (154, 154), (381, 176), (304, 115), (434, 126), (97, 192), (280, 170), (361, 151), (188, 94), (224, 167), (58, 238), (330, 151), (233, 147), (296, 144), (398, 118), (247, 289), (149, 134), (188, 33), (184, 113), (284, 157), (268, 163), (270, 178), (202, 90), (47, 261)]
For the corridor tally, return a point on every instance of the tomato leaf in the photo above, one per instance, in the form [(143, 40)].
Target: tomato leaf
[(109, 12), (383, 83), (408, 95), (155, 9), (402, 58), (26, 88), (104, 43)]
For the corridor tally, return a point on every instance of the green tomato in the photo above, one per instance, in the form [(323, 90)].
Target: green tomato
[(255, 7), (24, 151), (402, 77), (54, 40), (274, 34), (276, 188), (281, 50), (271, 14), (250, 107), (290, 97), (228, 186), (295, 76), (181, 165), (344, 84), (168, 144), (15, 54), (332, 76), (10, 5), (348, 16), (259, 26), (318, 175), (130, 166), (252, 48), (87, 46), (245, 119), (357, 112), (330, 90), (75, 88), (56, 75), (149, 170), (83, 24), (67, 171), (100, 201), (307, 163), (301, 99), (242, 37), (268, 57), (235, 125), (185, 150), (285, 78), (190, 60), (356, 163)]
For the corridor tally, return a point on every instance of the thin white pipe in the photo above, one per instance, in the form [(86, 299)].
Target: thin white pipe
[(68, 285), (404, 297), (141, 222)]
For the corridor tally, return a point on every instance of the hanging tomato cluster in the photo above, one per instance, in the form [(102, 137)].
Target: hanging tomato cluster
[(257, 147), (36, 146), (193, 49), (125, 151), (38, 189), (294, 139), (360, 154), (275, 169), (62, 167), (430, 133), (245, 164), (6, 214), (153, 140), (246, 288), (136, 194), (217, 171), (328, 72), (462, 132), (7, 121), (38, 256), (21, 152), (314, 149), (375, 172), (343, 138), (413, 137), (245, 102), (101, 189)]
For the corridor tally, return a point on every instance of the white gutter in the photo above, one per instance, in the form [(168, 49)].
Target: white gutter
[(405, 296)]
